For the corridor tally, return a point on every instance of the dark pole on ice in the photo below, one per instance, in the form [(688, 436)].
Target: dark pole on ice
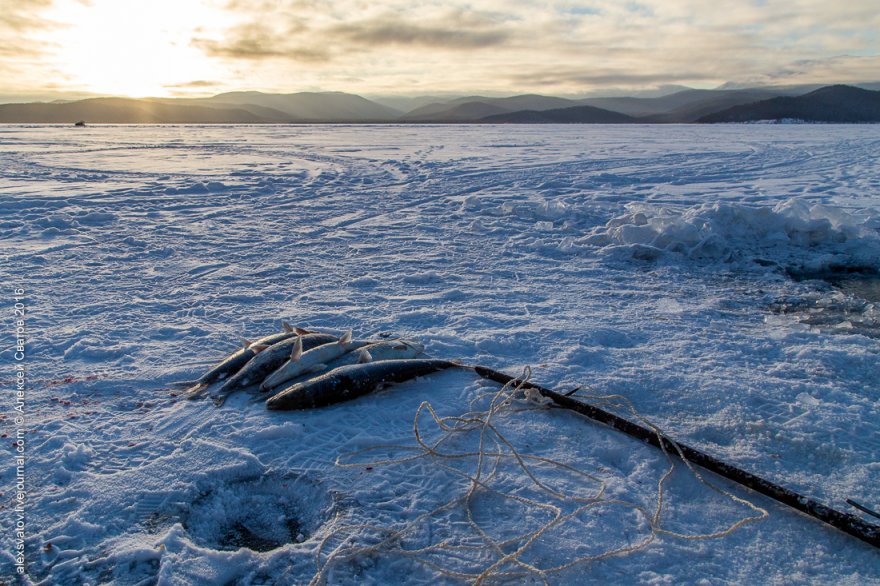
[(844, 521)]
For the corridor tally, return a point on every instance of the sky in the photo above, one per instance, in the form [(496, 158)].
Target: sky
[(193, 48)]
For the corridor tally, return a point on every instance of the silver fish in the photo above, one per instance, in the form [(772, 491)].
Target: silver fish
[(348, 382), (267, 361), (388, 350), (235, 361), (302, 362), (372, 352)]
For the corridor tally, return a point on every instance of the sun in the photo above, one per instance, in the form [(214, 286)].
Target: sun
[(132, 48)]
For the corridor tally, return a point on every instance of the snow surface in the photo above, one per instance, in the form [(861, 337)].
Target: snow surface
[(650, 262)]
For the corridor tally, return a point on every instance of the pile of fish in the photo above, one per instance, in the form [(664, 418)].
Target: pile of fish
[(300, 369)]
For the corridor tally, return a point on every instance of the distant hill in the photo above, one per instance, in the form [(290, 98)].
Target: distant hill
[(533, 102), (123, 111), (312, 106), (407, 103), (229, 108), (684, 106), (265, 114), (466, 112), (693, 111), (870, 86), (797, 89), (838, 103), (435, 110), (573, 115), (471, 108)]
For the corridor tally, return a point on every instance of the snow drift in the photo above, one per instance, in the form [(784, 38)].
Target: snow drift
[(792, 234)]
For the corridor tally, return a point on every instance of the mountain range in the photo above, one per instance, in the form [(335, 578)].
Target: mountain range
[(838, 103)]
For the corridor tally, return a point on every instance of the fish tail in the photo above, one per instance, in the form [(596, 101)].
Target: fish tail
[(195, 391)]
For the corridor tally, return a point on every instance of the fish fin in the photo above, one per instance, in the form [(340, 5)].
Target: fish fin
[(259, 348), (195, 391), (365, 357), (317, 367), (346, 338), (183, 383), (297, 351), (302, 332), (245, 342), (287, 327)]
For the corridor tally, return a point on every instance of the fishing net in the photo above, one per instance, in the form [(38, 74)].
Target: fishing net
[(504, 498)]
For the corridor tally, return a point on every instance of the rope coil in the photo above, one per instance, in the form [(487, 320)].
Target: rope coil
[(482, 556)]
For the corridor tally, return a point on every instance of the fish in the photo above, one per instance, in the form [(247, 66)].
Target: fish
[(375, 352), (267, 361), (302, 362), (235, 361), (352, 381)]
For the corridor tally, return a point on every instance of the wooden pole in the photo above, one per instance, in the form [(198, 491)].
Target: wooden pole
[(844, 521)]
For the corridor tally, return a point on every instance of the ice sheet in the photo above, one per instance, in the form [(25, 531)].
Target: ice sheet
[(645, 261)]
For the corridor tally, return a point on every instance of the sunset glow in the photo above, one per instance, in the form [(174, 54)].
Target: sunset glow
[(201, 47), (129, 48)]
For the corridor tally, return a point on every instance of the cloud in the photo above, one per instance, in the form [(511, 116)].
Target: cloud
[(525, 45), (497, 46), (442, 35), (291, 36), (199, 83), (592, 77), (21, 49), (257, 41), (840, 69), (19, 19), (196, 87), (22, 15)]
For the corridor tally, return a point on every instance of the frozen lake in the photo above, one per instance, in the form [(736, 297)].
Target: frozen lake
[(718, 277)]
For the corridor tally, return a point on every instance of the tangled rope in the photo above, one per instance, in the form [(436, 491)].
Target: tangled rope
[(483, 556)]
